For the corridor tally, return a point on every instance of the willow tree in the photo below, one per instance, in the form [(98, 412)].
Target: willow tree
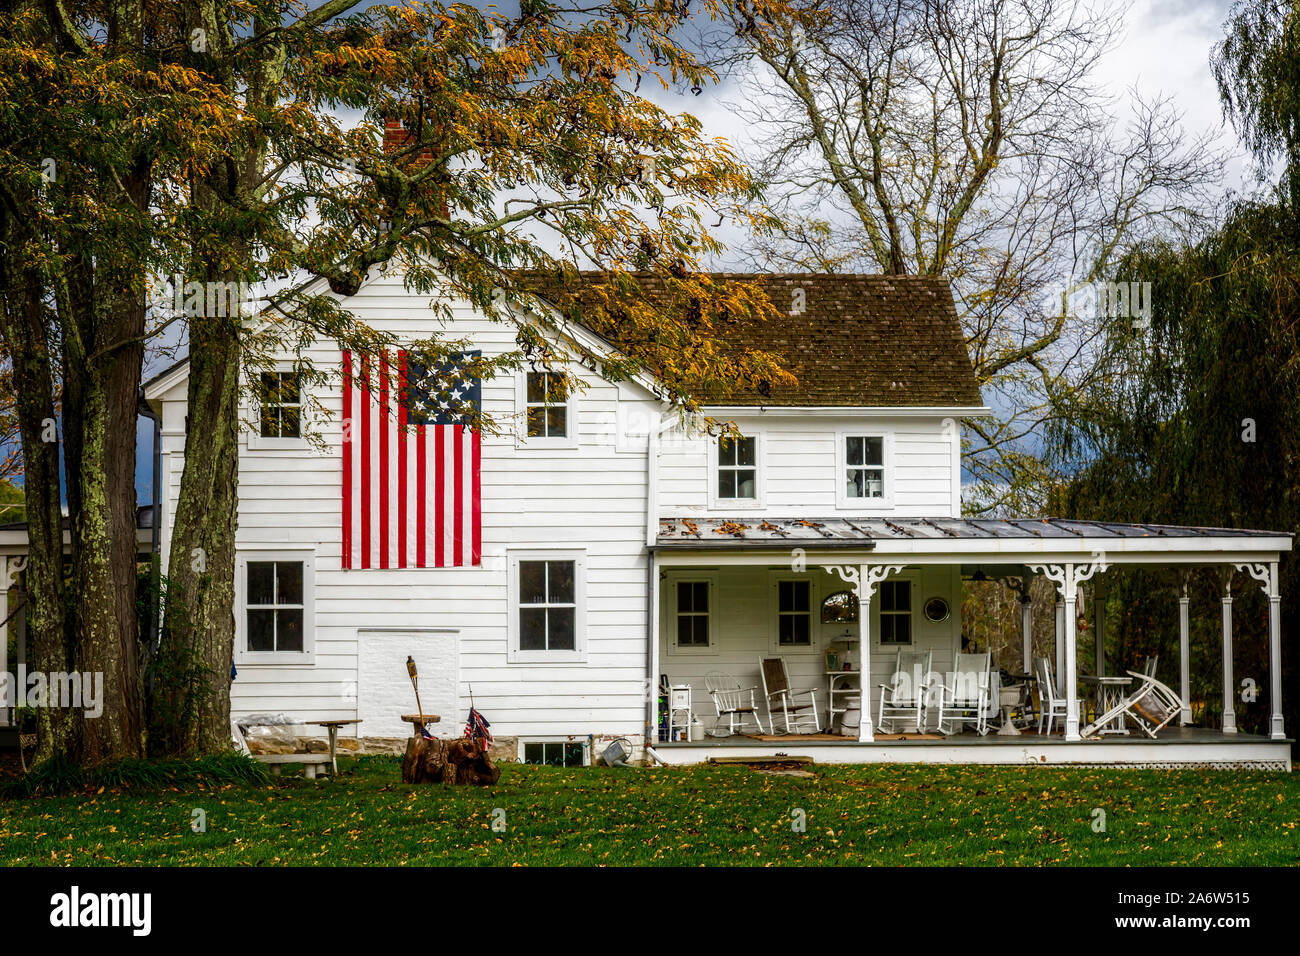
[(520, 149), (970, 140)]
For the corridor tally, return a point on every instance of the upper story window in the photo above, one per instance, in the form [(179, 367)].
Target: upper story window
[(275, 607), (549, 410), (546, 606), (280, 394), (738, 468), (864, 464), (896, 612)]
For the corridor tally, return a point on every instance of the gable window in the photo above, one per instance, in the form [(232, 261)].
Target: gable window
[(555, 753), (896, 612), (547, 406), (864, 466), (274, 611), (794, 614), (737, 468), (280, 394), (547, 614), (692, 613)]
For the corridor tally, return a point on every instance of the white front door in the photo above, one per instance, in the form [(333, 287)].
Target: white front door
[(384, 690)]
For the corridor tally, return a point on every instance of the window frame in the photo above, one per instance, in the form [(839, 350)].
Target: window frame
[(878, 613), (738, 504), (514, 654), (256, 440), (842, 499), (523, 440), (668, 612), (583, 743), (815, 595), (285, 553)]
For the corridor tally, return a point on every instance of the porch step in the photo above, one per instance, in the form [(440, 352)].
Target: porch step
[(762, 759)]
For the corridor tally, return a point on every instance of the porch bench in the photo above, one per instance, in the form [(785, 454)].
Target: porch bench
[(312, 764)]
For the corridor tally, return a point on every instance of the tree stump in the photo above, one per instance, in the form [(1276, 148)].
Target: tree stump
[(458, 761)]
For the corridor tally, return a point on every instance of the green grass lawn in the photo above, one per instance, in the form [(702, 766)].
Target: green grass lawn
[(883, 815)]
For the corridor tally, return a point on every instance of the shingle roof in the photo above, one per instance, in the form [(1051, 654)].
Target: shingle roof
[(854, 340)]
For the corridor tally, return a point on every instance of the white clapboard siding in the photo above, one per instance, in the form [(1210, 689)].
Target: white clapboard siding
[(742, 631), (798, 461), (591, 498)]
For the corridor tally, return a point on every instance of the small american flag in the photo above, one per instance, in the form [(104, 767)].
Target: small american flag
[(476, 729), (410, 464)]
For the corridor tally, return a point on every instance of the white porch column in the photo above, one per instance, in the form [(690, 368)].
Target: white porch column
[(1027, 629), (1229, 715), (1275, 652), (1184, 656), (1067, 578), (1060, 644), (865, 730), (4, 642), (1071, 688), (1099, 626)]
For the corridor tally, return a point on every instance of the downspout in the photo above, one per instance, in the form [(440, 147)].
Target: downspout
[(651, 596)]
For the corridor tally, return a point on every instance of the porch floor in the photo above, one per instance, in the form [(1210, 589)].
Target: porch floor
[(1176, 746)]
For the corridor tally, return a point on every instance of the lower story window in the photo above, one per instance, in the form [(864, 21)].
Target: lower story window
[(274, 606), (794, 614), (555, 753), (896, 613)]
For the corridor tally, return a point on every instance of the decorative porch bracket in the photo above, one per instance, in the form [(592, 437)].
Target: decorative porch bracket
[(864, 579), (1067, 578), (1266, 575)]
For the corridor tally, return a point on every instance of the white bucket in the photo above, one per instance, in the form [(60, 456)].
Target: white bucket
[(850, 721)]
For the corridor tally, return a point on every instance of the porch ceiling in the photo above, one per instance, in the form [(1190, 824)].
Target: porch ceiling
[(972, 538)]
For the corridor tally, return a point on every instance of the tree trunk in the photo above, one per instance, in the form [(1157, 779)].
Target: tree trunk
[(192, 695), (460, 761)]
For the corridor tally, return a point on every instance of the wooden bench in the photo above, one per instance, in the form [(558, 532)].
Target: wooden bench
[(312, 764)]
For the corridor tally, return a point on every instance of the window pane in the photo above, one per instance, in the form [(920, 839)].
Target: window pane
[(536, 422), (288, 629), (573, 755), (726, 451), (902, 628), (685, 596), (875, 451), (726, 484), (786, 629), (289, 390), (261, 630), (560, 620), (261, 582), (288, 582), (559, 582), (800, 629), (857, 483), (746, 485), (290, 423), (532, 629), (536, 387), (701, 589), (534, 753), (897, 596), (853, 451), (685, 630), (700, 630), (532, 582), (270, 427), (557, 422), (745, 451)]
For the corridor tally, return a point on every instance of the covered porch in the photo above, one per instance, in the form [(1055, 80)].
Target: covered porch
[(726, 598)]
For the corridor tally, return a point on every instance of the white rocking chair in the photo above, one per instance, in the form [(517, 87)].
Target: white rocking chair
[(903, 698), (1151, 706), (797, 717), (966, 694), (731, 701)]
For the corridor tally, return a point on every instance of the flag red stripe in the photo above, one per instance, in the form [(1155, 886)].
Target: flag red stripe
[(439, 479), (383, 461), (477, 553), (458, 532), (365, 463), (401, 459), (347, 459)]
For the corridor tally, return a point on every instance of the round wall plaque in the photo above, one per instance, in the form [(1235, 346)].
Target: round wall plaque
[(936, 610)]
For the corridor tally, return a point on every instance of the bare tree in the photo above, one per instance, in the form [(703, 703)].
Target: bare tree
[(966, 139)]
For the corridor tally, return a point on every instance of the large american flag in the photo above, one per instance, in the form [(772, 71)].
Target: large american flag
[(410, 464)]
